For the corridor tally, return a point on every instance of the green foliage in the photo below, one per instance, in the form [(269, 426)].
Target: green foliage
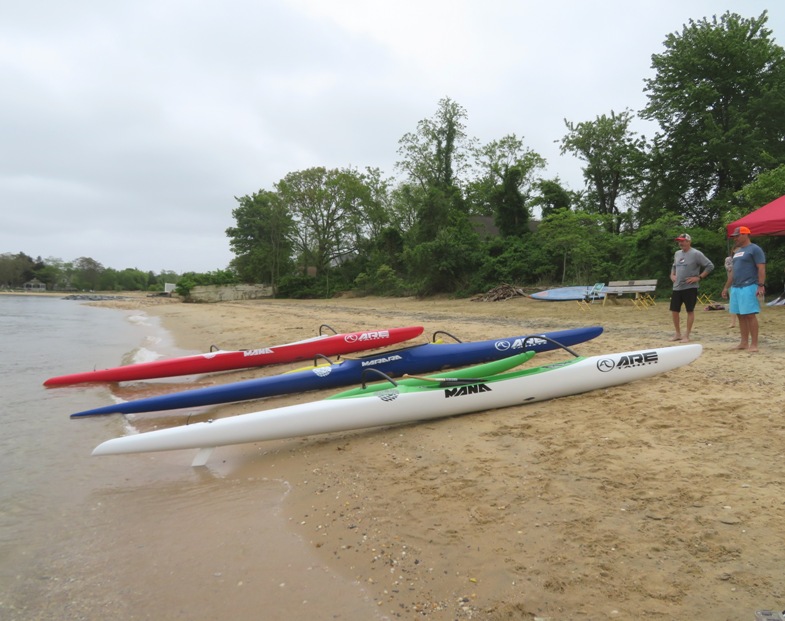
[(438, 206), (768, 186), (47, 274), (384, 282), (551, 196), (87, 274), (16, 269), (126, 280), (612, 154), (446, 263), (261, 240), (508, 260), (504, 184), (437, 154), (775, 263), (573, 240), (718, 97), (302, 286), (189, 280), (512, 217), (326, 207)]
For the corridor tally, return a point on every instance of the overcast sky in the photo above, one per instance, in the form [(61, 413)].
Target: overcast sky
[(127, 128)]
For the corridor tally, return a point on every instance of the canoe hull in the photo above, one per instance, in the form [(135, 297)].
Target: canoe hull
[(213, 362), (565, 294), (398, 405), (415, 360)]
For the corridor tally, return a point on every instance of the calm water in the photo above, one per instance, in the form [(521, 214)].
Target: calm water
[(39, 445), (138, 536)]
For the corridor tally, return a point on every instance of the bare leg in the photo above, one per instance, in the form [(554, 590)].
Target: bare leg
[(733, 316), (744, 329), (732, 323), (676, 326), (753, 328), (690, 321)]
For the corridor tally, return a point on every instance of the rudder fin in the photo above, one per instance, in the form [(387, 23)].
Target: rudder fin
[(202, 456)]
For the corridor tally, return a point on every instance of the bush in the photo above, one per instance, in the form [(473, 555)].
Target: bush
[(385, 282)]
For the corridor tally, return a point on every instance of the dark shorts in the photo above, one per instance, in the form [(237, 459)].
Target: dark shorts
[(688, 297)]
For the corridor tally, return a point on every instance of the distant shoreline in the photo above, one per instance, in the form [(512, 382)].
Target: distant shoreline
[(48, 294), (78, 294)]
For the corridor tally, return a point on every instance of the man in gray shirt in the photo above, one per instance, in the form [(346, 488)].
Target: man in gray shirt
[(690, 266)]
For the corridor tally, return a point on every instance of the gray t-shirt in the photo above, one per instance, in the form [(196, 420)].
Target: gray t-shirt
[(688, 264)]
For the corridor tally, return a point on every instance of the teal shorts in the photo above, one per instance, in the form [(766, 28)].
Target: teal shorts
[(744, 300)]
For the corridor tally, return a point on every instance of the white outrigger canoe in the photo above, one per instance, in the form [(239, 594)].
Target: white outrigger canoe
[(408, 402)]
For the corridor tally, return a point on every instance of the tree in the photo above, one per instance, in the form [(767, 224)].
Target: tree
[(48, 274), (326, 207), (129, 279), (718, 96), (612, 154), (261, 238), (505, 184), (435, 159), (576, 239), (768, 186), (437, 153), (447, 262), (15, 269), (87, 273), (551, 196), (377, 211)]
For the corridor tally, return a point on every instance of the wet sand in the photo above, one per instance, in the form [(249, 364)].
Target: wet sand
[(662, 498)]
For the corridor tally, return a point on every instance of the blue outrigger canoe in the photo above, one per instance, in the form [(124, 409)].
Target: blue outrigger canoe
[(412, 360)]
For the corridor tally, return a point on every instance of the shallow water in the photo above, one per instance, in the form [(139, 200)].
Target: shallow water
[(139, 536)]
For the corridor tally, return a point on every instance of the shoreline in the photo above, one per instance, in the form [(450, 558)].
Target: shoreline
[(654, 498)]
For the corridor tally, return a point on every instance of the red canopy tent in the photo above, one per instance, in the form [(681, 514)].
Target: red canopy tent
[(767, 220)]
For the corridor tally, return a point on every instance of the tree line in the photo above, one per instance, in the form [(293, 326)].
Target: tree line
[(460, 216), (82, 274)]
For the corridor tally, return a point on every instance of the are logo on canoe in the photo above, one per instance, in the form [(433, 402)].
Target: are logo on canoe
[(628, 361), (519, 343), (367, 336)]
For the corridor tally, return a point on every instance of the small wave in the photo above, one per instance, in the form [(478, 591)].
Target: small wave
[(140, 354), (128, 426), (117, 399), (152, 339), (140, 319)]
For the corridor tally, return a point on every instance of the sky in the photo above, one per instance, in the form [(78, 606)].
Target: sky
[(128, 129)]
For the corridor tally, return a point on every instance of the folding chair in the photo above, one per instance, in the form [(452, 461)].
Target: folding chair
[(705, 299), (643, 300), (592, 294)]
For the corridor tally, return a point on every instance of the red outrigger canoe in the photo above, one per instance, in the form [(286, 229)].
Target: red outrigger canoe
[(223, 360)]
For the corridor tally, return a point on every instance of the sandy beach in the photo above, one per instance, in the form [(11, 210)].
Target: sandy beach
[(660, 499)]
